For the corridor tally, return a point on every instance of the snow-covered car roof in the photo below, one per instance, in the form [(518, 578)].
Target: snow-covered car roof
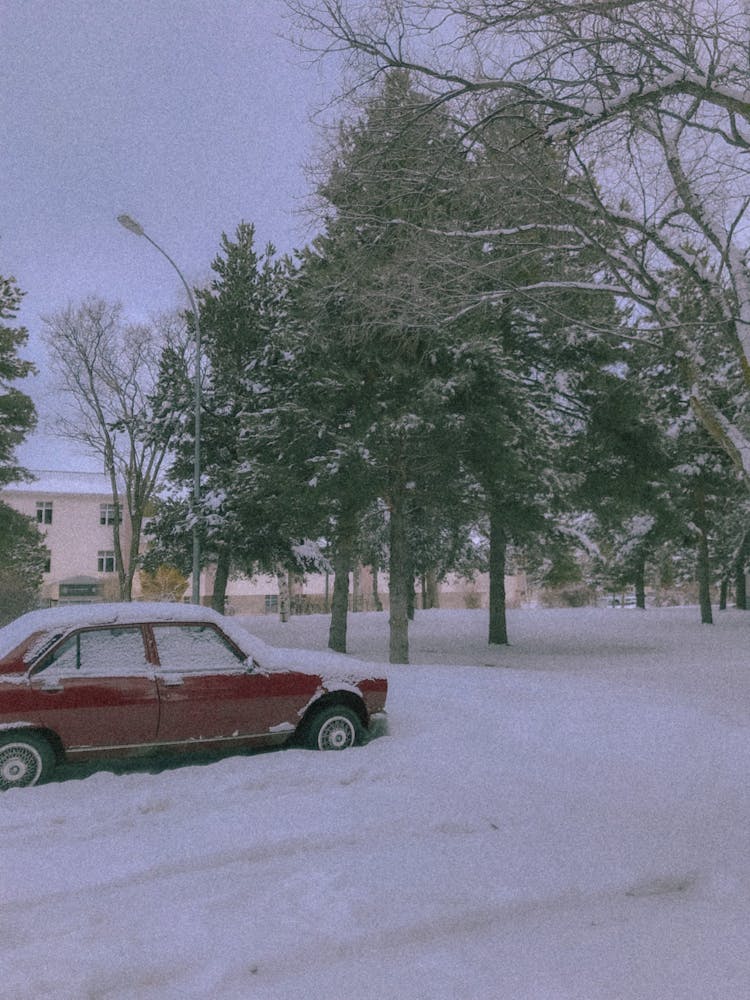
[(50, 621)]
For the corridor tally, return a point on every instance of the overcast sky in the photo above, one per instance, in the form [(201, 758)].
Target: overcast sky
[(190, 115)]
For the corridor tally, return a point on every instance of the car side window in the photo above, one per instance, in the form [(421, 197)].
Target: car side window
[(194, 648), (99, 652)]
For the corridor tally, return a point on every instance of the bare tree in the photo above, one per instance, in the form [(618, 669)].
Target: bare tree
[(107, 369), (649, 102)]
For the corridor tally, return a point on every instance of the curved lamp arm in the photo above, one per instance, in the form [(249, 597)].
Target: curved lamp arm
[(135, 227)]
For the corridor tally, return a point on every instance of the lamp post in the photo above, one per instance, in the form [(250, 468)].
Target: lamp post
[(137, 228)]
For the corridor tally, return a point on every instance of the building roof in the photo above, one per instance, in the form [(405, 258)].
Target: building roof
[(51, 481)]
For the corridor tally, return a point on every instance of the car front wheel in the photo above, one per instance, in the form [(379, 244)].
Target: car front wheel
[(334, 728), (24, 760)]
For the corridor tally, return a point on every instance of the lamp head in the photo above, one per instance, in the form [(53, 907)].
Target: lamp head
[(131, 224)]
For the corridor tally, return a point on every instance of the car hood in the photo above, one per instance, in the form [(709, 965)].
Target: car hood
[(320, 663)]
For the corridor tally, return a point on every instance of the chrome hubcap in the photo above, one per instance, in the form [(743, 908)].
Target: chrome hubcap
[(20, 765), (337, 734)]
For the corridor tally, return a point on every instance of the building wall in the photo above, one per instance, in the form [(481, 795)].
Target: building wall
[(75, 536), (313, 592)]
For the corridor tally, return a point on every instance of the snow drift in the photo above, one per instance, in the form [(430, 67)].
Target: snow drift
[(563, 819)]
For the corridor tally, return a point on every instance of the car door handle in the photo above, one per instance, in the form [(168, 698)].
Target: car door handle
[(51, 688), (172, 681)]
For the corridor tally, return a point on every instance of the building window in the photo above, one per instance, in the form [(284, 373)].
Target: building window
[(107, 514), (44, 512), (106, 561), (272, 603), (48, 563)]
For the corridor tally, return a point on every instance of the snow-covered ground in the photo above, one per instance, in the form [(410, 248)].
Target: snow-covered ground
[(564, 819)]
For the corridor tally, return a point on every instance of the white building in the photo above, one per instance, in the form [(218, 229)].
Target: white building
[(75, 514)]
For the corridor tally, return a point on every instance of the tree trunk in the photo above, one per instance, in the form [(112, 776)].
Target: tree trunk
[(498, 634), (723, 593), (704, 569), (411, 594), (640, 580), (399, 585), (431, 589), (740, 588), (377, 603), (219, 597), (282, 578), (133, 556), (356, 587), (704, 580), (125, 585), (342, 561)]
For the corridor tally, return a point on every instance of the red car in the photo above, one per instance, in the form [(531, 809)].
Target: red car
[(116, 680)]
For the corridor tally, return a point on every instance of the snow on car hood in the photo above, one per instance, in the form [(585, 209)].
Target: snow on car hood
[(329, 666)]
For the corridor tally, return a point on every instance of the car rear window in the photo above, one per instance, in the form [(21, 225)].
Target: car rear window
[(194, 648)]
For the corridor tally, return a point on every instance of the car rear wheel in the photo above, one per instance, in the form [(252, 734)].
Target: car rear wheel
[(333, 728), (24, 760)]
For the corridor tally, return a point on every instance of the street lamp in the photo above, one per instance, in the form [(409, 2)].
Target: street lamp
[(137, 228)]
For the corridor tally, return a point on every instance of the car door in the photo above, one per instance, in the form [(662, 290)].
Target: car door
[(97, 689), (210, 691)]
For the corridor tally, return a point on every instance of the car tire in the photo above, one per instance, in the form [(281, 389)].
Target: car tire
[(333, 728), (25, 759)]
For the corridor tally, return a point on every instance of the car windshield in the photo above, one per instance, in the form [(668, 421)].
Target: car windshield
[(48, 643)]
